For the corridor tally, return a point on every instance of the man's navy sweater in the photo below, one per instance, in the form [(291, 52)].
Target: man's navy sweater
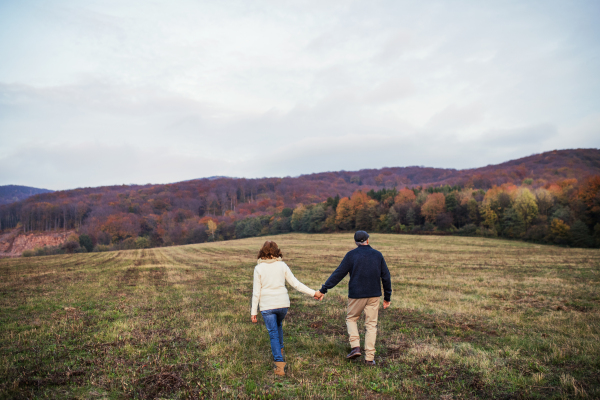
[(367, 269)]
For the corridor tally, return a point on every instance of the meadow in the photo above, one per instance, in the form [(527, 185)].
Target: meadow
[(470, 318)]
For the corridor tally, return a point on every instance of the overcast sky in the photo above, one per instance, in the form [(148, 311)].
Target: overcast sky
[(109, 92)]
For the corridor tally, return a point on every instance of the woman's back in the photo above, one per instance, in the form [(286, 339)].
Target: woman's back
[(272, 274), (269, 290)]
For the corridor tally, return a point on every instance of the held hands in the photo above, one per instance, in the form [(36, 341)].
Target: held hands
[(318, 296), (386, 304)]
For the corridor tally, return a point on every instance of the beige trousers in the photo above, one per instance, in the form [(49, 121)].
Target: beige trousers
[(370, 306)]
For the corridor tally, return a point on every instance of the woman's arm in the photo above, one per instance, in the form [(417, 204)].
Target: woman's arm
[(296, 284), (256, 286)]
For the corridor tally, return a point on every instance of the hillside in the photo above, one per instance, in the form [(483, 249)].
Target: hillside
[(487, 200), (13, 193), (549, 166)]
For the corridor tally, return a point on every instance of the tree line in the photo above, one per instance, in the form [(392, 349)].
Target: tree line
[(564, 212)]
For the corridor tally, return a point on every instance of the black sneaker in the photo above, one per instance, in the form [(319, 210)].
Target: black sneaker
[(370, 363), (354, 353)]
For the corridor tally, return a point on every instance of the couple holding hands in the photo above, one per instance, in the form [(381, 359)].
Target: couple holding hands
[(368, 271)]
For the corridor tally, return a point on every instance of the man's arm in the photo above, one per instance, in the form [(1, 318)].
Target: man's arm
[(386, 280), (340, 273)]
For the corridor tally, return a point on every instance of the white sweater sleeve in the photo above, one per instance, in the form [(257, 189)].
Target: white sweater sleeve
[(255, 293), (296, 284)]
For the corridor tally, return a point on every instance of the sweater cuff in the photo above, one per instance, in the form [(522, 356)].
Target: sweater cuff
[(323, 289), (387, 298)]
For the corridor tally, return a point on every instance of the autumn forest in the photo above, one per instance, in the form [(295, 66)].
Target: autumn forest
[(551, 198)]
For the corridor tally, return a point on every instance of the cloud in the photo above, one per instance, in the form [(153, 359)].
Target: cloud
[(67, 166), (62, 166), (455, 117), (519, 137), (390, 91), (396, 45), (101, 96), (257, 89)]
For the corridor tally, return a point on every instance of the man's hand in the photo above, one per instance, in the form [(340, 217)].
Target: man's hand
[(253, 319), (386, 304), (318, 295)]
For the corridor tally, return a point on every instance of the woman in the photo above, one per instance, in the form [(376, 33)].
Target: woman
[(270, 275)]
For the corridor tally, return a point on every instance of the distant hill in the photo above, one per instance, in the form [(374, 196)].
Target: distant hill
[(153, 215), (549, 166), (12, 193), (209, 178)]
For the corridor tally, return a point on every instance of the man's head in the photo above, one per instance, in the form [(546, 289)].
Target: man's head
[(361, 238)]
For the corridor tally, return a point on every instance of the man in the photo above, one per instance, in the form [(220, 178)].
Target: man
[(367, 270)]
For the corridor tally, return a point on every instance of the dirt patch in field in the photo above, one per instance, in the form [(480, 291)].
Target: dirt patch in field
[(157, 276), (136, 338), (444, 324), (130, 277), (393, 350), (68, 313), (56, 378), (113, 256), (437, 375), (167, 382), (161, 384), (316, 322), (147, 258)]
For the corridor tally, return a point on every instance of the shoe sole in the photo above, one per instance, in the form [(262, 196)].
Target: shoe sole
[(352, 357)]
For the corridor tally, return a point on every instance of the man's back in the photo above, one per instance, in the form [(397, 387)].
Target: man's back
[(367, 269)]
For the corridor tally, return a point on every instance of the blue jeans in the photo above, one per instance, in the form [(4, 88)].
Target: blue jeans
[(274, 323)]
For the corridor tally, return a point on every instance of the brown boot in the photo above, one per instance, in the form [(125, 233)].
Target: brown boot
[(354, 353), (279, 368)]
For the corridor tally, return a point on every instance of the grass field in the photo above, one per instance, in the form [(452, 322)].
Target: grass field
[(470, 318)]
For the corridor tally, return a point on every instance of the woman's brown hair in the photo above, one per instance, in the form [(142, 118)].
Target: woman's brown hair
[(269, 250)]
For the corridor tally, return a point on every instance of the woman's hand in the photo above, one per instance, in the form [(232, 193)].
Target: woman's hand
[(253, 318)]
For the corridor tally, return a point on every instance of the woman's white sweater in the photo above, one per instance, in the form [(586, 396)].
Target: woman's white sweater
[(269, 285)]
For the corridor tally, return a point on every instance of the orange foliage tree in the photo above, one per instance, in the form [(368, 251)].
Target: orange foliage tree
[(121, 226), (434, 205), (405, 196), (359, 200), (345, 214), (589, 194)]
